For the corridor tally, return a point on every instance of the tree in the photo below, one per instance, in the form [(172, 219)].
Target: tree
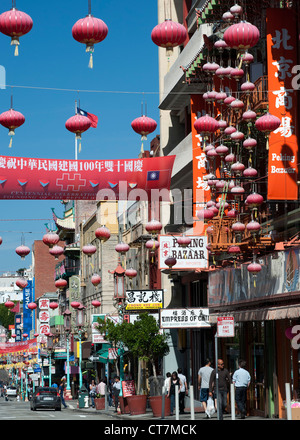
[(6, 317), (142, 338)]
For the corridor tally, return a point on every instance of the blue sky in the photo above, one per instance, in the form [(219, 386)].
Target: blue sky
[(125, 74)]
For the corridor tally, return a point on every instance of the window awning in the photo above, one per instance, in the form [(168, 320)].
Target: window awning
[(261, 314)]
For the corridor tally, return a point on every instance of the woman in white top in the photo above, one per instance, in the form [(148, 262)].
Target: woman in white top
[(167, 382)]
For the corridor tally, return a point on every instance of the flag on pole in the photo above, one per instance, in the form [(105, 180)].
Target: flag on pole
[(92, 118)]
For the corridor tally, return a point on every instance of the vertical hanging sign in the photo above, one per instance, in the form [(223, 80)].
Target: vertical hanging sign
[(201, 189), (283, 145), (27, 313)]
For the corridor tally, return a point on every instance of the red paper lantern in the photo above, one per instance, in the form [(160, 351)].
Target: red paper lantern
[(53, 305), (25, 335), (254, 200), (32, 306), (75, 304), (238, 227), (51, 239), (267, 123), (153, 227), (206, 125), (169, 34), (131, 273), (102, 233), (234, 250), (241, 36), (15, 24), (61, 283), (11, 120), (96, 303), (21, 283), (9, 304), (122, 248), (78, 124), (96, 279), (56, 251), (144, 126), (89, 249), (22, 251), (184, 241), (90, 31)]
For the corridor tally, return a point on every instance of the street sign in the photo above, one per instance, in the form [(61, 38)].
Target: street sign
[(225, 326)]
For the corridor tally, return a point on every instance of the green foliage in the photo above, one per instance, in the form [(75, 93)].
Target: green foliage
[(142, 338), (6, 317)]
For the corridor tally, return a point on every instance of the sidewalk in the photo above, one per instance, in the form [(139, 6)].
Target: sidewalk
[(198, 415)]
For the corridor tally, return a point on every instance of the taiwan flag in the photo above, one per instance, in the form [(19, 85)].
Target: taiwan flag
[(92, 118)]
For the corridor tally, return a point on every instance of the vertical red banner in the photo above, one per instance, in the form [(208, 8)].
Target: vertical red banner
[(201, 189), (283, 142)]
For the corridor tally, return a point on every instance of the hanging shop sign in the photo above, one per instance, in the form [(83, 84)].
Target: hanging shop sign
[(18, 329), (194, 256), (144, 299), (28, 315), (225, 326), (57, 179), (184, 318), (282, 43), (97, 337)]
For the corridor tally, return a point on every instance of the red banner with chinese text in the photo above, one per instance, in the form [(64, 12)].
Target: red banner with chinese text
[(29, 346), (56, 179), (283, 143), (201, 190)]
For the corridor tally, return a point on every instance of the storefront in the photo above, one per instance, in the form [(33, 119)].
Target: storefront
[(264, 316)]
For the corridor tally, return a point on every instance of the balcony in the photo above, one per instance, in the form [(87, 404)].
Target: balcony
[(176, 92), (67, 268)]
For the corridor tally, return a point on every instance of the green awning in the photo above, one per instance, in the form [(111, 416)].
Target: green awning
[(103, 354)]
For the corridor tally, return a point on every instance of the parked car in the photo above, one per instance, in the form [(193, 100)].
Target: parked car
[(11, 391), (45, 397)]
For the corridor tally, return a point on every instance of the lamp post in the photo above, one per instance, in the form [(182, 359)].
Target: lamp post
[(49, 349), (119, 300), (80, 330), (67, 327)]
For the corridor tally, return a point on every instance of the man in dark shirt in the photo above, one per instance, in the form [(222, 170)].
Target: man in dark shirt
[(223, 386)]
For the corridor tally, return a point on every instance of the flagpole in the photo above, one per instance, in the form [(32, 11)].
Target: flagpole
[(75, 135)]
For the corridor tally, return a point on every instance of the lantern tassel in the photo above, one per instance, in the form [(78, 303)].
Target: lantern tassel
[(267, 144), (79, 149), (254, 282), (10, 143), (91, 62), (142, 147)]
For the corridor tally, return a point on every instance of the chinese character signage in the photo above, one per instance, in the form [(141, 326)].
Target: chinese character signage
[(184, 318), (283, 146), (18, 329), (144, 299), (201, 189), (44, 316), (194, 256), (29, 178)]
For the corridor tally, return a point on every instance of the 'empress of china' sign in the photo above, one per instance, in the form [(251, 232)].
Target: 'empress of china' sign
[(184, 318)]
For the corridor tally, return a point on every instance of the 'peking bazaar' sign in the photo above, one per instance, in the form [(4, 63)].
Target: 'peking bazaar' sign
[(58, 179), (283, 145)]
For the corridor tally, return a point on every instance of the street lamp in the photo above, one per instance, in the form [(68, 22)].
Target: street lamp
[(67, 327), (79, 324), (119, 299), (49, 349)]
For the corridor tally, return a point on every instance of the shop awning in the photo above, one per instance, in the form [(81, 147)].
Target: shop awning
[(261, 314), (104, 354)]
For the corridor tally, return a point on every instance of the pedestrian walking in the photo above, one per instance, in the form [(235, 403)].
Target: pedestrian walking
[(101, 387), (183, 390), (92, 393), (61, 393), (116, 391), (204, 374), (167, 382), (173, 382), (223, 386), (241, 379)]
